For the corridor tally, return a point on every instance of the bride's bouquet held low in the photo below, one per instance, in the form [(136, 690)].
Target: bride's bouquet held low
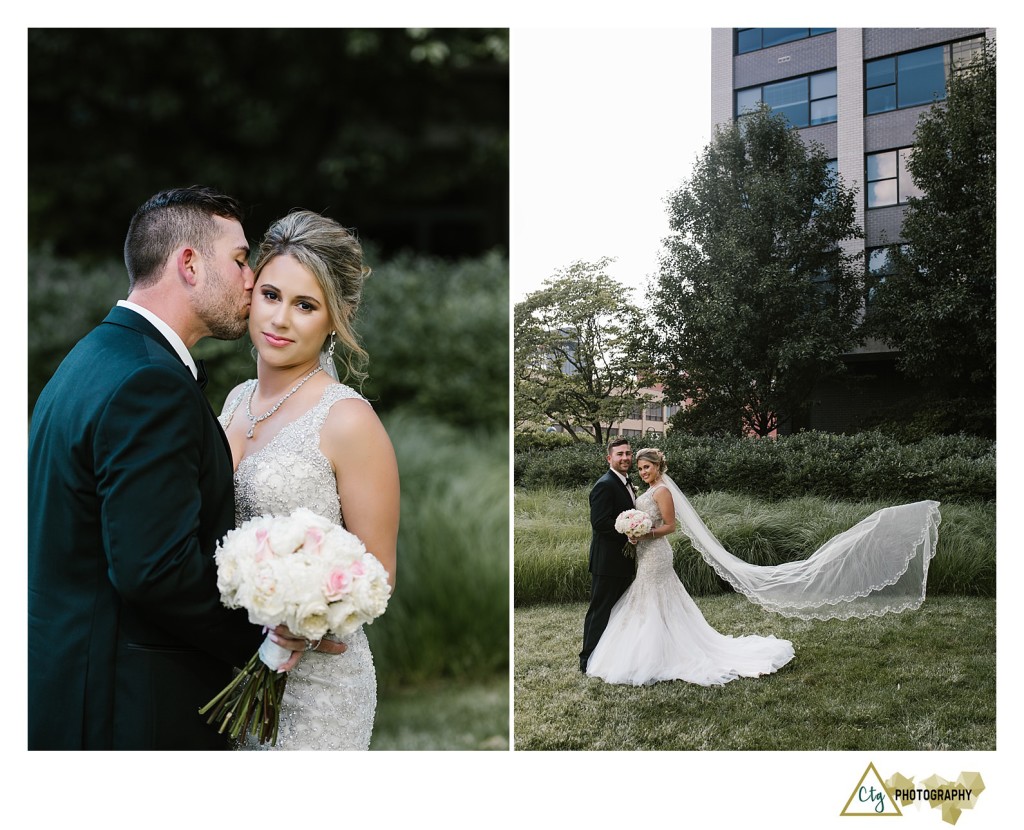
[(301, 571), (634, 524)]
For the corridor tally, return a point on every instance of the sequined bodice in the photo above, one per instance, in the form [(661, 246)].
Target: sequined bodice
[(653, 558), (645, 501), (330, 700), (290, 471)]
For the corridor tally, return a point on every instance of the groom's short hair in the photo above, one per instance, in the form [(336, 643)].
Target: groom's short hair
[(180, 216), (616, 442)]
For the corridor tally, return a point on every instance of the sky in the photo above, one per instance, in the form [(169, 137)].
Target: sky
[(605, 124)]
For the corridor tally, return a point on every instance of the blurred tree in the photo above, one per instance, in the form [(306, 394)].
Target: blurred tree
[(756, 300), (578, 361), (401, 133), (437, 335), (938, 307)]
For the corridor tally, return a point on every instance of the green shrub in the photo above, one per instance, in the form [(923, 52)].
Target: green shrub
[(437, 334), (65, 302), (524, 440), (449, 614), (570, 466), (868, 465)]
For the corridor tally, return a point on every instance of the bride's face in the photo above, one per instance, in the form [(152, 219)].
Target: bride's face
[(648, 471), (288, 320)]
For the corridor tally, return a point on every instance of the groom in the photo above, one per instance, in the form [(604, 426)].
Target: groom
[(611, 571), (130, 488)]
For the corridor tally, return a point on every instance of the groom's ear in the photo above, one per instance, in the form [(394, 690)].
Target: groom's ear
[(187, 262)]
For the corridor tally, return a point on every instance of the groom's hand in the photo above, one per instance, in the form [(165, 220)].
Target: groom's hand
[(297, 645)]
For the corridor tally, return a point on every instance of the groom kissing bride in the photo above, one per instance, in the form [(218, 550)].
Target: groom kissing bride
[(130, 489)]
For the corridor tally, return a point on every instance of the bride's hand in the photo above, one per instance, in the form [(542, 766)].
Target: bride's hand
[(297, 645)]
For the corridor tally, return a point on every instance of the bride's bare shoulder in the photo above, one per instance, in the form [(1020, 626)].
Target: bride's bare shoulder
[(352, 426)]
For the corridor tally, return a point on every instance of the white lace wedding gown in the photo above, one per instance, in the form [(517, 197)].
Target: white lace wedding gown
[(329, 700), (657, 632)]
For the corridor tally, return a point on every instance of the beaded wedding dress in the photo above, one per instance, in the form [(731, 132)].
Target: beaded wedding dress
[(657, 632), (330, 700)]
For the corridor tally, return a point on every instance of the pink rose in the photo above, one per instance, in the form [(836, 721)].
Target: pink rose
[(263, 547), (314, 538), (339, 583)]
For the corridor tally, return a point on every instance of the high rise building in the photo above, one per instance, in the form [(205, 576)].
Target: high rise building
[(858, 93)]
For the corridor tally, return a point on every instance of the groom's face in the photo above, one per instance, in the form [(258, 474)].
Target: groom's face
[(621, 458), (222, 301)]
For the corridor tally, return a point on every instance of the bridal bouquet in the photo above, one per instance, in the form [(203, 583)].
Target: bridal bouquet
[(300, 570), (633, 523)]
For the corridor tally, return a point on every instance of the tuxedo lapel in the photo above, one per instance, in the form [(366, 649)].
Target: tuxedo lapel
[(126, 318)]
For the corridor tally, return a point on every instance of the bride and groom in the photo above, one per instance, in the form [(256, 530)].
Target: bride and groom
[(133, 481), (643, 627)]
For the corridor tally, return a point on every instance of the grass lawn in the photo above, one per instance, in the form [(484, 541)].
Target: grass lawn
[(922, 680), (449, 715)]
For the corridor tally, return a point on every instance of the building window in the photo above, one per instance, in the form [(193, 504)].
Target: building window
[(631, 433), (888, 179), (635, 414), (805, 101), (750, 40), (879, 268), (654, 412), (914, 78), (671, 410)]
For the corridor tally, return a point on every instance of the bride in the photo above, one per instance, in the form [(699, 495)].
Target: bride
[(656, 632), (299, 438)]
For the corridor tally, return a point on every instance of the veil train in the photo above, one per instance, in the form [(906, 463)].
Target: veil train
[(878, 566)]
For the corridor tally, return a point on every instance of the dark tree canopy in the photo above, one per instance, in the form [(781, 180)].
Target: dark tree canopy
[(938, 307), (756, 300), (401, 133)]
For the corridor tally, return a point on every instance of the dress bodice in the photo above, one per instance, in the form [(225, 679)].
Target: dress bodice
[(645, 501), (290, 471), (329, 700)]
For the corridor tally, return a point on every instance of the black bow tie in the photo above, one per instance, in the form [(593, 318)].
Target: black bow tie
[(201, 377)]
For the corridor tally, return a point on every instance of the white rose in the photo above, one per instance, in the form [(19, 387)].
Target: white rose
[(309, 619)]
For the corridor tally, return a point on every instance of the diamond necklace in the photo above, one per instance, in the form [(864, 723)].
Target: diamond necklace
[(276, 406)]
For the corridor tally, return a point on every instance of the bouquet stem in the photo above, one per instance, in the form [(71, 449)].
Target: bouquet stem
[(251, 702)]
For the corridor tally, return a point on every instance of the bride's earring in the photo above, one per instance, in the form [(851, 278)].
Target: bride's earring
[(330, 349)]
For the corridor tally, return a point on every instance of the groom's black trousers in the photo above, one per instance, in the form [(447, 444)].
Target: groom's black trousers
[(605, 591)]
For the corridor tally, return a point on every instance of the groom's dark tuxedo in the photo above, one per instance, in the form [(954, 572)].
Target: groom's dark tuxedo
[(130, 488), (611, 572)]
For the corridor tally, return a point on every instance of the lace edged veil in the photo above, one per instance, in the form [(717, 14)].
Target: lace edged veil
[(878, 566)]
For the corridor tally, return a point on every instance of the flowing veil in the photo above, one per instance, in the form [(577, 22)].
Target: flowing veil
[(878, 566)]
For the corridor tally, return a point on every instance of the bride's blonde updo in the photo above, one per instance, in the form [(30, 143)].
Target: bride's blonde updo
[(655, 456), (334, 257)]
